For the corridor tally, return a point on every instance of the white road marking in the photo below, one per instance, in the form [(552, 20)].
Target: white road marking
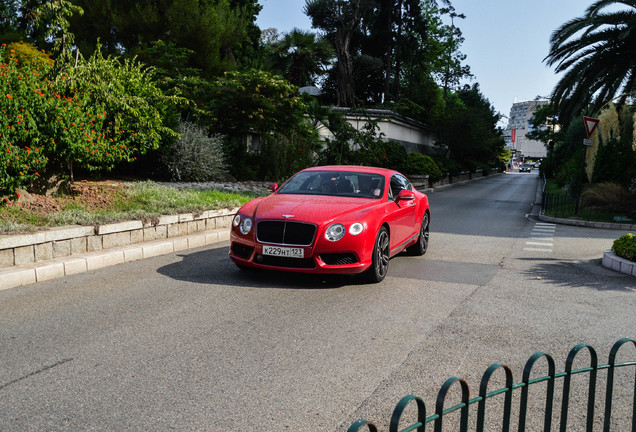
[(542, 235)]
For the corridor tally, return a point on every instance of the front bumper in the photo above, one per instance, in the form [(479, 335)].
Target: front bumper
[(330, 261)]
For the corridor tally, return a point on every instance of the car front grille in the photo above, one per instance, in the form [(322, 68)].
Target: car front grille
[(285, 233)]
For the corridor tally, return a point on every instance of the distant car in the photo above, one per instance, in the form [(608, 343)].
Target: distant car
[(332, 219), (525, 167)]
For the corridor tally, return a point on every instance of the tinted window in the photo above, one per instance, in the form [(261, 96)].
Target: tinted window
[(398, 183), (335, 183)]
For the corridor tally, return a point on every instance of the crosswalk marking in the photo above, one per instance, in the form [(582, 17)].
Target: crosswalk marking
[(541, 238)]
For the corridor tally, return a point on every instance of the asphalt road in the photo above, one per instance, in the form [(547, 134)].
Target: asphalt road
[(188, 342)]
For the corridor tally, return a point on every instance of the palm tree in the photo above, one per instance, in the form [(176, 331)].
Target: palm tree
[(301, 56), (597, 52)]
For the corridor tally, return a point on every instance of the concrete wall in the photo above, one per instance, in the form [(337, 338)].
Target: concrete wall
[(413, 135), (75, 240)]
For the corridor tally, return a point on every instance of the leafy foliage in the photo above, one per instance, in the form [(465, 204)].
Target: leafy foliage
[(613, 196), (266, 105), (118, 113), (301, 57), (195, 156), (24, 112), (597, 54), (625, 247), (469, 128), (421, 164)]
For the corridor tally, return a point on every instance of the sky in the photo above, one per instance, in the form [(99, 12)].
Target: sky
[(505, 41)]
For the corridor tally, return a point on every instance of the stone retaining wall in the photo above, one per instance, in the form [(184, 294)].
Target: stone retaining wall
[(421, 182), (74, 240)]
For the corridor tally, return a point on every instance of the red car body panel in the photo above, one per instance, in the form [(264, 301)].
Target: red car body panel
[(352, 253)]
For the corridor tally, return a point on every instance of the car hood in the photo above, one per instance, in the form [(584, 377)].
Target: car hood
[(310, 208)]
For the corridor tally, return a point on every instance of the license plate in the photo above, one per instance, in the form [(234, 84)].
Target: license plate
[(284, 251)]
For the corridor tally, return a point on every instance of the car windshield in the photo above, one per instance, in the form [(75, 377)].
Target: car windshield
[(335, 183)]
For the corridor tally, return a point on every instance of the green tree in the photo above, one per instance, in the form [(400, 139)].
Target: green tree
[(340, 20), (469, 129), (301, 57), (219, 32), (258, 103), (597, 54), (116, 113), (9, 24)]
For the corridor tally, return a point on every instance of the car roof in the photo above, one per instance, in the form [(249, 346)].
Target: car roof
[(353, 168)]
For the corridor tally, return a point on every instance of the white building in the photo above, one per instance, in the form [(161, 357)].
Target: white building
[(519, 125), (413, 135)]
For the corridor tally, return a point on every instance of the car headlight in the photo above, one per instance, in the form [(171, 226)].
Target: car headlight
[(243, 222), (335, 232), (356, 228)]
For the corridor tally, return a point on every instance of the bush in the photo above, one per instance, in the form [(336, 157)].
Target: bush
[(195, 156), (448, 166), (25, 112), (625, 247), (421, 164), (612, 196)]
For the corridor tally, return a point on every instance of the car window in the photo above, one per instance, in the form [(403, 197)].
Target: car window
[(398, 183), (335, 183)]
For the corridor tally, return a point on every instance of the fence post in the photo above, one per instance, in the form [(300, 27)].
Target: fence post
[(591, 390), (483, 394), (610, 386), (439, 405), (549, 398), (399, 410)]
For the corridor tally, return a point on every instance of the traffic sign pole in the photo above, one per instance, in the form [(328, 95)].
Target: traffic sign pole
[(590, 124)]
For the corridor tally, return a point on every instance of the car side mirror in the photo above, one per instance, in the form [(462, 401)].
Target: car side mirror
[(272, 188), (406, 195)]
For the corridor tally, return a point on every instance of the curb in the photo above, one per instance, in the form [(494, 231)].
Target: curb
[(587, 224), (56, 268), (616, 263)]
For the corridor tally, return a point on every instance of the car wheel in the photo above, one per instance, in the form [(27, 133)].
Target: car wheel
[(380, 260), (421, 246)]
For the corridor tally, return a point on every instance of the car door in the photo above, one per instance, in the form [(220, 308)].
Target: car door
[(401, 212)]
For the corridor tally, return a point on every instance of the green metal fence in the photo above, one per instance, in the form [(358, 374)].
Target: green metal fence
[(466, 402)]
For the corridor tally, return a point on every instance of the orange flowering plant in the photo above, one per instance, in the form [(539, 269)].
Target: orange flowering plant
[(21, 114), (94, 115)]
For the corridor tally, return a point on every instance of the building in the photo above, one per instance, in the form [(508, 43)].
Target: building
[(519, 125), (413, 135)]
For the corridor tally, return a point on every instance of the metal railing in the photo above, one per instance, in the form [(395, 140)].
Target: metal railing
[(507, 391)]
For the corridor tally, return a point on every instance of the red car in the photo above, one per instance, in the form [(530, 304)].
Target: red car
[(332, 219)]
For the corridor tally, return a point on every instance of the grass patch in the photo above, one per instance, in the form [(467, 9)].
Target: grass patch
[(144, 201)]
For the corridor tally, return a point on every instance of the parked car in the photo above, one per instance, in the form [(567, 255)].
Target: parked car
[(332, 219), (525, 167)]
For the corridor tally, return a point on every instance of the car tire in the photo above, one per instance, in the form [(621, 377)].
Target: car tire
[(421, 246), (380, 259)]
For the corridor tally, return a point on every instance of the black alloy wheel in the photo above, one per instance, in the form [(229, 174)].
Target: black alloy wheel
[(421, 246), (381, 252)]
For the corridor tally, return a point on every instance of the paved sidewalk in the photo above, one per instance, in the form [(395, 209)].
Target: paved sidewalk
[(24, 274)]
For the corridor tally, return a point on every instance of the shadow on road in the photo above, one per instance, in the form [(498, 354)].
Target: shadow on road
[(581, 274), (213, 266)]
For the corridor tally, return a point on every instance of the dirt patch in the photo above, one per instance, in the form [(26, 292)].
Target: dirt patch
[(92, 195)]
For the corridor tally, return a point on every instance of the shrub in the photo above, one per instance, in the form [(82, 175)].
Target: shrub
[(448, 166), (421, 164), (195, 156), (115, 113), (625, 247), (24, 114), (472, 166), (610, 195)]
